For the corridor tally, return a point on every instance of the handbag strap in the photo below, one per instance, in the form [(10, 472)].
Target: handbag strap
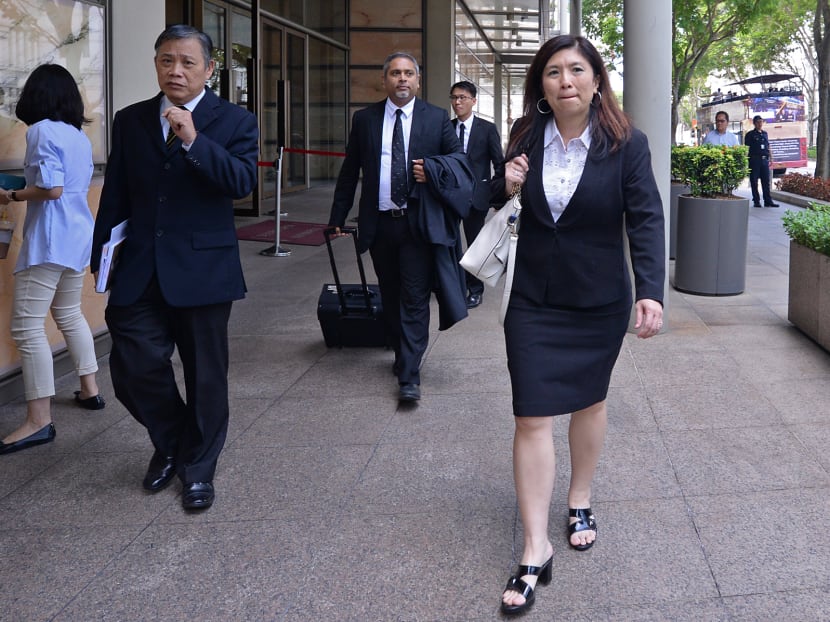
[(511, 264), (513, 226)]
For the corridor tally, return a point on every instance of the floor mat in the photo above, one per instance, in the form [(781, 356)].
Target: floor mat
[(291, 232)]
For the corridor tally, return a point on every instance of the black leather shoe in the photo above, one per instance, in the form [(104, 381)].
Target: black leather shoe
[(46, 434), (409, 392), (159, 472), (473, 300), (197, 496), (771, 205), (96, 402), (756, 205)]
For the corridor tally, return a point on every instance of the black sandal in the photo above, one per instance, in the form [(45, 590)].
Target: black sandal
[(516, 584), (585, 521)]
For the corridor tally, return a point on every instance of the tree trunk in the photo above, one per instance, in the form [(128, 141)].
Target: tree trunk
[(821, 36)]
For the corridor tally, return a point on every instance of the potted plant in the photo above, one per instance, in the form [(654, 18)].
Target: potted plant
[(809, 289), (677, 188), (712, 222)]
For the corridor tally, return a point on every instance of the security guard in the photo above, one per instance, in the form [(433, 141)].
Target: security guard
[(759, 161)]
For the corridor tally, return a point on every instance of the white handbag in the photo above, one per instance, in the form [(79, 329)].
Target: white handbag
[(494, 250), (486, 257)]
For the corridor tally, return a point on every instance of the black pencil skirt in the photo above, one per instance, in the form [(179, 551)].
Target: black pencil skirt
[(560, 359)]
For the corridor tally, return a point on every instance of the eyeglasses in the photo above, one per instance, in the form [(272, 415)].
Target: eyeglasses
[(459, 98)]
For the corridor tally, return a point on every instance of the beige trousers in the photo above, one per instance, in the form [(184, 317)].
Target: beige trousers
[(37, 290)]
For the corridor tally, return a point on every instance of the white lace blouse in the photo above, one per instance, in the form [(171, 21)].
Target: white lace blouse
[(563, 166)]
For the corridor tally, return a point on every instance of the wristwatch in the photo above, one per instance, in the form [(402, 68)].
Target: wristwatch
[(13, 195)]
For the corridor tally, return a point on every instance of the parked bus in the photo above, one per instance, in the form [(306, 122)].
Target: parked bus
[(779, 101)]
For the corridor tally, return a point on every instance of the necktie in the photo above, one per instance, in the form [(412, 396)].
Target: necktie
[(171, 135), (461, 135), (399, 181)]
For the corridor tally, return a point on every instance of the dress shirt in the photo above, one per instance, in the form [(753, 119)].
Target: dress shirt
[(716, 138), (166, 103), (385, 188), (563, 166)]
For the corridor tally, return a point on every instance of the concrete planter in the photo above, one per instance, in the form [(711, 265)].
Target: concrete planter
[(809, 297), (676, 190), (711, 245)]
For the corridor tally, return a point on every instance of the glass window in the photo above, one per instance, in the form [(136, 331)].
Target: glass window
[(326, 108), (65, 32), (213, 23)]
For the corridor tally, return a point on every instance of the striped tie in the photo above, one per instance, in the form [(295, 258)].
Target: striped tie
[(171, 135)]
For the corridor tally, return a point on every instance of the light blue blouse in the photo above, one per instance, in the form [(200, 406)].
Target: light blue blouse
[(59, 231)]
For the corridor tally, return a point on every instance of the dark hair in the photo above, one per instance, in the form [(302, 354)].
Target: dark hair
[(610, 126), (722, 112), (51, 93), (757, 117), (405, 55), (464, 85), (183, 31)]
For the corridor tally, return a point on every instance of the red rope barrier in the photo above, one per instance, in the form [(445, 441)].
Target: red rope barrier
[(336, 154)]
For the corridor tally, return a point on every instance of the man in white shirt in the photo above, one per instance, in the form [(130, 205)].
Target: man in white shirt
[(720, 135)]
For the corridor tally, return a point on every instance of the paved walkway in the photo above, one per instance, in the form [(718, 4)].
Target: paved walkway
[(334, 503)]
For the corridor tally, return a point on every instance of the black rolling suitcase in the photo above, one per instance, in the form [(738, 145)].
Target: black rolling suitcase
[(350, 315)]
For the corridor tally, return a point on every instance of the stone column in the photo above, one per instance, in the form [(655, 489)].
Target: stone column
[(440, 53), (647, 87)]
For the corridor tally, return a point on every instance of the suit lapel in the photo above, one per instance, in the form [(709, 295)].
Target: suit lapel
[(415, 132), (376, 137), (150, 119), (205, 112)]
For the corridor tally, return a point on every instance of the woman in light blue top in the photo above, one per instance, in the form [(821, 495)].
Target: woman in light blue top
[(57, 239)]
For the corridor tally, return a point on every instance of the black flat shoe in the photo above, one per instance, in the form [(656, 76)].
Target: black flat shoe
[(159, 472), (46, 434), (585, 522), (197, 496), (517, 584), (96, 402)]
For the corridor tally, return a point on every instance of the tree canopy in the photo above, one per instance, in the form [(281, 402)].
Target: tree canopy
[(708, 36)]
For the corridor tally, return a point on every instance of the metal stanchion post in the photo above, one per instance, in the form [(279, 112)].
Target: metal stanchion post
[(276, 250)]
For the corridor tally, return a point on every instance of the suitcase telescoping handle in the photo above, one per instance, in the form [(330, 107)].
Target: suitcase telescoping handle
[(352, 232)]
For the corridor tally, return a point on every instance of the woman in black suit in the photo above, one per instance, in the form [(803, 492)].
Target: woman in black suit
[(584, 174)]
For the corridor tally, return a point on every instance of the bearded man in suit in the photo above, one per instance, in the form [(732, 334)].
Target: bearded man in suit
[(390, 204)]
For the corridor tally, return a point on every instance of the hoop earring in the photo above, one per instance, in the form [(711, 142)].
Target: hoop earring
[(539, 107), (595, 102)]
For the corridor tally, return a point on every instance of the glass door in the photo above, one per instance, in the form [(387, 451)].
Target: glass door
[(271, 121), (283, 121), (295, 169), (230, 30)]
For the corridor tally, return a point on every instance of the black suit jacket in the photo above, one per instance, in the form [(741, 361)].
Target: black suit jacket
[(179, 203), (483, 149), (431, 134), (579, 261)]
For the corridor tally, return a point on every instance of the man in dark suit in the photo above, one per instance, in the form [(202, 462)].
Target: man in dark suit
[(177, 162), (389, 206), (483, 148)]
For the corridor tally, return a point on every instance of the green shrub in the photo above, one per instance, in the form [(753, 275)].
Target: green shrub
[(810, 227), (710, 170)]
